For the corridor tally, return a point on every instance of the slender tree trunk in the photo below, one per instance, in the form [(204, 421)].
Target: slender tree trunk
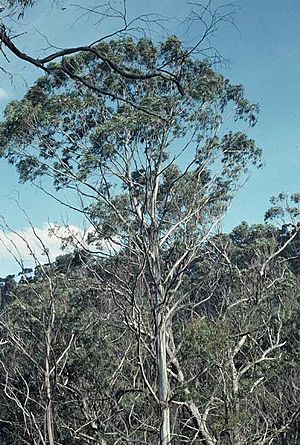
[(49, 413), (161, 343), (163, 383), (48, 386)]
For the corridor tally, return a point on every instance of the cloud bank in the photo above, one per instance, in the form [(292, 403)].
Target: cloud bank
[(33, 246)]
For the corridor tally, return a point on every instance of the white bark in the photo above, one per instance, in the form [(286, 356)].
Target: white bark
[(163, 383)]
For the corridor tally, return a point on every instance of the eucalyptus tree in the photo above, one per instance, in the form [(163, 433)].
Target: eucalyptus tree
[(118, 19), (242, 348), (58, 360), (155, 171)]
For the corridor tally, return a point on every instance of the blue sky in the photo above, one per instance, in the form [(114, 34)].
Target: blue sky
[(263, 54)]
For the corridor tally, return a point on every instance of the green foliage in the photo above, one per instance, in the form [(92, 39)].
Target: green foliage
[(204, 340), (284, 207), (71, 122), (23, 3), (102, 365), (155, 169)]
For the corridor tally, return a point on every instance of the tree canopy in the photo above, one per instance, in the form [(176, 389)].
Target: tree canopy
[(161, 328)]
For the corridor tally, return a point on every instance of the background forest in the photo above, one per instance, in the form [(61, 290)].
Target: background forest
[(157, 327)]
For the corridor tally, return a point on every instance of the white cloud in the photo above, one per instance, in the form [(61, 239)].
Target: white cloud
[(33, 246), (3, 94)]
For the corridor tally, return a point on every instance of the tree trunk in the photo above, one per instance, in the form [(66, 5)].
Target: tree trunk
[(48, 389), (163, 383), (161, 342)]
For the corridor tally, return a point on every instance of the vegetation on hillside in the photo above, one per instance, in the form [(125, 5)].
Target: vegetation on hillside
[(161, 328)]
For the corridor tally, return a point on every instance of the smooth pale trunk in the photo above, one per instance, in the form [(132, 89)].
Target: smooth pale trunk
[(49, 413), (163, 383), (161, 346)]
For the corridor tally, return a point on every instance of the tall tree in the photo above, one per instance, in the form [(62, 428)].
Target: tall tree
[(155, 171)]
